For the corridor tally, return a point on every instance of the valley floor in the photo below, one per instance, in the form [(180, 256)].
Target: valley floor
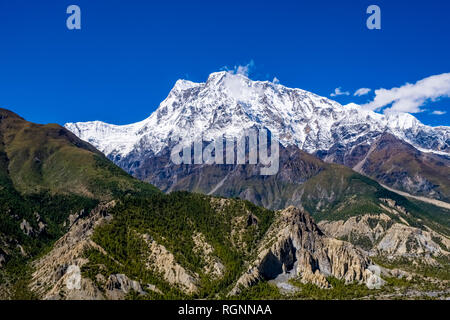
[(435, 202)]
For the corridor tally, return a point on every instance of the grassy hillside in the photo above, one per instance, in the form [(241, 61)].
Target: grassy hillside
[(46, 175), (48, 158), (173, 221)]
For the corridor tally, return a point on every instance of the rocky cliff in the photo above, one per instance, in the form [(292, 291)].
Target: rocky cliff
[(391, 235), (58, 273), (295, 246)]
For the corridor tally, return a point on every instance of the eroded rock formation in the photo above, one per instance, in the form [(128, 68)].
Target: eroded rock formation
[(295, 245)]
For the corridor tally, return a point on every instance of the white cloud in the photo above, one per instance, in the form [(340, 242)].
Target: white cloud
[(362, 92), (439, 113), (339, 92), (411, 97), (244, 70), (241, 69), (275, 80), (240, 89)]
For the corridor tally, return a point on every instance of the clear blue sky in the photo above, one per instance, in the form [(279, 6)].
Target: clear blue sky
[(128, 55)]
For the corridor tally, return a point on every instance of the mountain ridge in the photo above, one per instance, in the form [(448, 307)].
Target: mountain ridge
[(226, 103), (229, 104)]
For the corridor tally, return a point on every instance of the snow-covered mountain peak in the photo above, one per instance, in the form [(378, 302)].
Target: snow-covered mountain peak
[(182, 85), (227, 103), (215, 77), (402, 121)]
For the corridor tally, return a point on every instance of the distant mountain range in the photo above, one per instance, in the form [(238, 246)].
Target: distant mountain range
[(396, 149)]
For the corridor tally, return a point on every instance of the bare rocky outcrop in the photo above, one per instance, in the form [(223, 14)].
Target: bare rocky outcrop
[(295, 246), (26, 227), (119, 285), (161, 261), (213, 266), (369, 226), (58, 273), (382, 235), (402, 240)]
